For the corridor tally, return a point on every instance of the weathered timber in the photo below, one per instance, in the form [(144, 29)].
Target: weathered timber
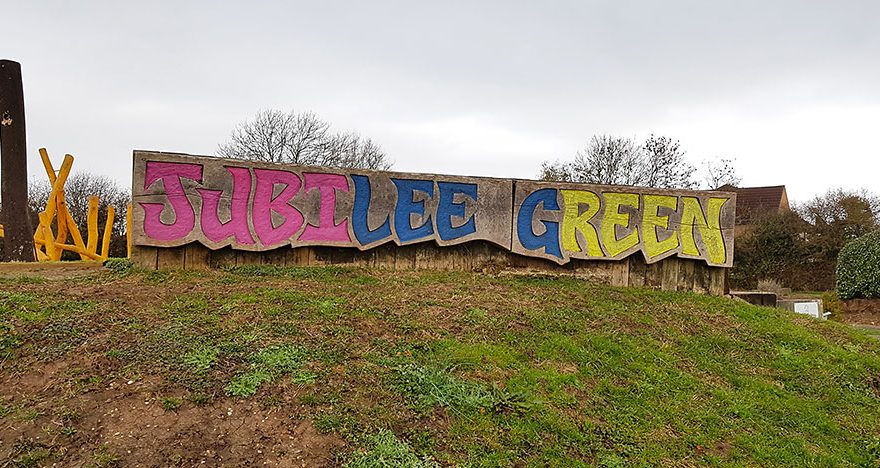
[(18, 242), (673, 274), (252, 206)]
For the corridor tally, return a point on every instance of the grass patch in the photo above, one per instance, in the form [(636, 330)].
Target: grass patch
[(156, 276), (29, 453), (426, 387), (200, 359), (384, 449), (247, 384), (268, 365), (104, 457), (22, 280), (22, 306), (30, 307), (119, 266), (466, 368), (328, 422), (171, 403), (51, 318), (315, 273), (9, 340)]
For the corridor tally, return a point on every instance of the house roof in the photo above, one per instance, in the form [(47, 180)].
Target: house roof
[(755, 200)]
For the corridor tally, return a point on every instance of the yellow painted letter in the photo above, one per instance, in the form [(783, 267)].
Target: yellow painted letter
[(654, 247), (693, 218), (613, 218), (574, 221)]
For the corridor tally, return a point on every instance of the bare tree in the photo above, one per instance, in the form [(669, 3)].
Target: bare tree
[(609, 160), (719, 172), (664, 165), (349, 149), (308, 135), (301, 138), (265, 138), (846, 214), (658, 162), (556, 171)]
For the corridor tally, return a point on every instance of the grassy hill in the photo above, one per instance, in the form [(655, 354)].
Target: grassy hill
[(324, 366)]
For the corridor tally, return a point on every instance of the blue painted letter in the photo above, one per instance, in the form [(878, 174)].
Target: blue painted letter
[(550, 238), (406, 206), (359, 219), (447, 208)]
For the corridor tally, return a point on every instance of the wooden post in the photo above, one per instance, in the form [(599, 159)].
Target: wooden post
[(128, 231), (108, 232), (18, 236), (92, 222)]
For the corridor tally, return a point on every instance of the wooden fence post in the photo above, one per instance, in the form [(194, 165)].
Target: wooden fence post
[(18, 242)]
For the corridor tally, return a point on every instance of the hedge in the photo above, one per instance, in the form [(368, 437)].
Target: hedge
[(858, 268)]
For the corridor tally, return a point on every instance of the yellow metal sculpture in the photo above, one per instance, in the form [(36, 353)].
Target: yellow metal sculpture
[(50, 245)]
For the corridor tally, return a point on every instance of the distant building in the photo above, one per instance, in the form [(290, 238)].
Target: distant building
[(752, 202)]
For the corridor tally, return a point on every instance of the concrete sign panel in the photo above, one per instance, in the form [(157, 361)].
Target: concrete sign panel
[(561, 221), (256, 206), (180, 199)]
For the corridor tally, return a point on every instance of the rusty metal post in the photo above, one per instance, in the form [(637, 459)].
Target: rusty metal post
[(18, 241)]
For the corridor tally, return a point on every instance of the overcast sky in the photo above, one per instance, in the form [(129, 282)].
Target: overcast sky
[(791, 89)]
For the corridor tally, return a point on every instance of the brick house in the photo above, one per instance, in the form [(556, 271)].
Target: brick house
[(752, 202)]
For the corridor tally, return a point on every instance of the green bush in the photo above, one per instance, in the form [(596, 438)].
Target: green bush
[(858, 268), (831, 303), (774, 249)]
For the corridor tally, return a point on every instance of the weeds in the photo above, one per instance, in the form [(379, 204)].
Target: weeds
[(199, 398), (28, 307), (317, 273), (386, 450), (171, 403), (22, 280), (103, 457), (119, 266), (427, 387), (268, 365), (247, 384), (475, 315), (9, 340), (491, 371), (157, 276), (201, 359), (28, 453), (328, 422)]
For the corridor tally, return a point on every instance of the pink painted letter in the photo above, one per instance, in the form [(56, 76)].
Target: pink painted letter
[(237, 226), (265, 204), (327, 230), (184, 216)]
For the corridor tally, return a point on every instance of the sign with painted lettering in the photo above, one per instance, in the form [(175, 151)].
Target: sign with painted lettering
[(179, 199)]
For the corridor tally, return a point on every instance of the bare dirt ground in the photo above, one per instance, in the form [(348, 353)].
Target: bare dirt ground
[(129, 417), (78, 407), (48, 270), (270, 366), (862, 311)]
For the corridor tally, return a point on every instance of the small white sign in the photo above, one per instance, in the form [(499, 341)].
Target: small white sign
[(810, 308)]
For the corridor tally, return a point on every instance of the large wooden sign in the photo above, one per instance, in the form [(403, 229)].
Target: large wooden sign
[(180, 199)]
